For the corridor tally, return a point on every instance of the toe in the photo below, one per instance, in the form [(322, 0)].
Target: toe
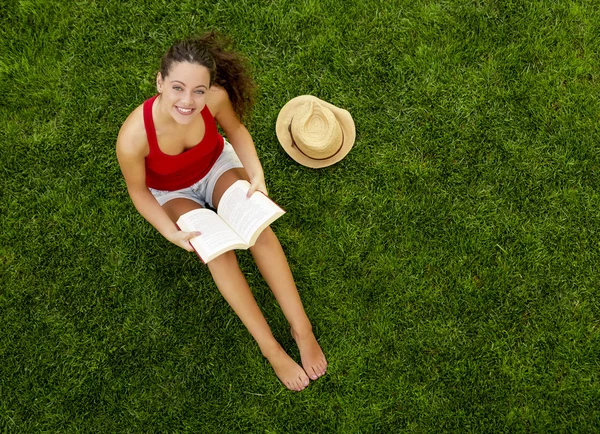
[(320, 369), (303, 380)]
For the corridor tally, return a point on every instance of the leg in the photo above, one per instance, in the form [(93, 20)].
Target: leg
[(272, 263), (233, 286), (175, 208)]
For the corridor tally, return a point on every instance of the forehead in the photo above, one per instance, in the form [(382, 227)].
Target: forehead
[(190, 74)]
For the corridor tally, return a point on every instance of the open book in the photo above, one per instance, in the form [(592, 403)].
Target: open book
[(238, 222)]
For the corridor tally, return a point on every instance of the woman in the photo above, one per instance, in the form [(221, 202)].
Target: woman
[(174, 160)]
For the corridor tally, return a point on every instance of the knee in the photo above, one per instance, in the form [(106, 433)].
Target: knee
[(225, 261), (265, 239)]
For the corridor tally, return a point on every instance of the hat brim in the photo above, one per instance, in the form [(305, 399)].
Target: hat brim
[(283, 135)]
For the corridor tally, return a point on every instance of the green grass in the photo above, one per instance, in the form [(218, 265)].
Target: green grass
[(449, 264)]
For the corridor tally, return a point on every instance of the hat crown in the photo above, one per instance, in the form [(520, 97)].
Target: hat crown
[(316, 131)]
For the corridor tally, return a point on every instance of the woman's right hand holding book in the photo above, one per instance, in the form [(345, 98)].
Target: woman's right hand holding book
[(182, 239)]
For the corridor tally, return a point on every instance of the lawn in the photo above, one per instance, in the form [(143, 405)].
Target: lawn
[(449, 263)]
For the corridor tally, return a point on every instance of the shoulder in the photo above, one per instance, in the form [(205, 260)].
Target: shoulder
[(132, 139), (217, 100), (220, 106)]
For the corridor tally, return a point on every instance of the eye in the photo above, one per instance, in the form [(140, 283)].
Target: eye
[(177, 87), (199, 92)]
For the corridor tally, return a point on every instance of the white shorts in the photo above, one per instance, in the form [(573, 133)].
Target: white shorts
[(202, 191)]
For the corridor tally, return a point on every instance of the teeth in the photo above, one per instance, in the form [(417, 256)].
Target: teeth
[(183, 110)]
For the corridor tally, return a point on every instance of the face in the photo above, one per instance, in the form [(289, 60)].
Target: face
[(183, 90)]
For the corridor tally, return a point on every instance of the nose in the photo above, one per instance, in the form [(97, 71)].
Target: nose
[(186, 98)]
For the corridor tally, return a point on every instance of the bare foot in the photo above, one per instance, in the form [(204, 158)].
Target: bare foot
[(313, 359), (289, 372)]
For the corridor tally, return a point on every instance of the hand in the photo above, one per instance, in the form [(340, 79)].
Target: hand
[(257, 184), (182, 239)]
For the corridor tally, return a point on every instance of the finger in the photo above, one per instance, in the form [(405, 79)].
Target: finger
[(251, 190), (190, 235), (186, 236), (185, 240)]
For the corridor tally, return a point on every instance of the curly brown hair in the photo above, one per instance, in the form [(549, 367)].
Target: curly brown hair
[(228, 69)]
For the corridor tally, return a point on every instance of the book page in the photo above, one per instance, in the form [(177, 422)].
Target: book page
[(217, 237), (247, 216)]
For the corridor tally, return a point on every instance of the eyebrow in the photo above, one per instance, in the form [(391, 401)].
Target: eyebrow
[(181, 82)]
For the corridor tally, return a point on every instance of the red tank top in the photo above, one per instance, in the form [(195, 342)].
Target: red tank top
[(173, 172)]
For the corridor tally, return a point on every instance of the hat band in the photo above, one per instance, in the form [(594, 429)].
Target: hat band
[(294, 145)]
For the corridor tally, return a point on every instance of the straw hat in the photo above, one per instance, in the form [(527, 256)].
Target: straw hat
[(313, 132)]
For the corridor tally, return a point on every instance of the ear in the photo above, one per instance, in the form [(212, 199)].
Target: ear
[(159, 82)]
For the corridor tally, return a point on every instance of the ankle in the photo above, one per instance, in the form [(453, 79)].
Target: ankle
[(302, 332), (270, 349)]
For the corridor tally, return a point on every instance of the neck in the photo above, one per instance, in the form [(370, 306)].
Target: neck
[(162, 116)]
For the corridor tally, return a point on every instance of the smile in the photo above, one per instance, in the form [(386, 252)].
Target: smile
[(184, 111)]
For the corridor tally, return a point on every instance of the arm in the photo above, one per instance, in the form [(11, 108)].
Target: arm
[(238, 136), (131, 154)]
